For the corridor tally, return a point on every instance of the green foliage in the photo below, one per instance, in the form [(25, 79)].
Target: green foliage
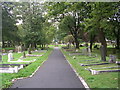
[(69, 39), (9, 29)]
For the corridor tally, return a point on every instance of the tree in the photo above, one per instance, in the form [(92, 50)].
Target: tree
[(32, 23), (9, 28), (74, 12), (69, 39), (99, 16)]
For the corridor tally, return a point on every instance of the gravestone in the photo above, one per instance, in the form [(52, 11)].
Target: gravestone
[(103, 53), (10, 56), (112, 59), (19, 49)]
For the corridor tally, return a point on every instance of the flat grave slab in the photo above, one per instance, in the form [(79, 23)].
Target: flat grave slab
[(30, 55), (94, 72), (19, 60), (93, 64), (11, 68)]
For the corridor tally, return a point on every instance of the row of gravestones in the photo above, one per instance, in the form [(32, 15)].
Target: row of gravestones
[(18, 49), (87, 51), (10, 54)]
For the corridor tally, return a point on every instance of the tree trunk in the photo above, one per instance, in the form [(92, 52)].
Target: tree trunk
[(91, 43), (92, 38), (76, 40), (42, 47), (35, 46), (3, 44), (76, 43), (102, 40)]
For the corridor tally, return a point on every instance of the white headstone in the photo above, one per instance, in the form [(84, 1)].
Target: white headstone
[(16, 69), (94, 72), (19, 49), (10, 56)]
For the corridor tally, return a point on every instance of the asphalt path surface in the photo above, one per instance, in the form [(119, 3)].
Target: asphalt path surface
[(54, 73)]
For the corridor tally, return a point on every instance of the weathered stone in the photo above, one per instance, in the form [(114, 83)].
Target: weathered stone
[(112, 59), (10, 56)]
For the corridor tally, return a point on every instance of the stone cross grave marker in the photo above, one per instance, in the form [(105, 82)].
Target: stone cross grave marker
[(10, 56), (103, 55)]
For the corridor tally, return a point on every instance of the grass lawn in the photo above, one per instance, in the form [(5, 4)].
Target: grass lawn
[(25, 72), (102, 80)]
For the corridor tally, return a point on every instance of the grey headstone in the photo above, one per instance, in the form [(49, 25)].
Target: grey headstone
[(112, 58)]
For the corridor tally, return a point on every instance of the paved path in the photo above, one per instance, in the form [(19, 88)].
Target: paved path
[(54, 73)]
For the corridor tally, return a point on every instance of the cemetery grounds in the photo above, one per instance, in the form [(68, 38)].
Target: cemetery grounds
[(28, 70), (102, 80)]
